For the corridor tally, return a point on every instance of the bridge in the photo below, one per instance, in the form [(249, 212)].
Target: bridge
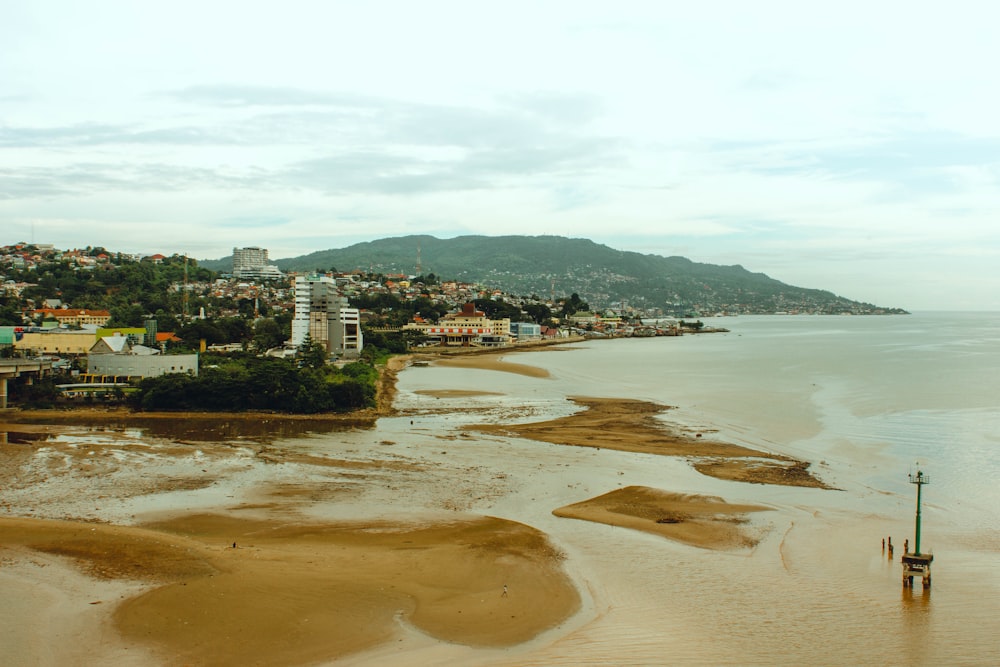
[(15, 368)]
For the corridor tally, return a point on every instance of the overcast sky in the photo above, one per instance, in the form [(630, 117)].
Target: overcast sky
[(849, 146)]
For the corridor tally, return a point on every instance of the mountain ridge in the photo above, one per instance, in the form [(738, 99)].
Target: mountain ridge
[(558, 266)]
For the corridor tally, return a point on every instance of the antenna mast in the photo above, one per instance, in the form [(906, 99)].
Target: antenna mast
[(184, 297)]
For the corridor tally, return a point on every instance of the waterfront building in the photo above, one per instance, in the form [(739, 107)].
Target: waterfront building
[(323, 314), (526, 331), (467, 328), (141, 365), (118, 355)]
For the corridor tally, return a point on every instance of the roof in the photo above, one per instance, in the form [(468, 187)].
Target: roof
[(116, 344), (71, 312)]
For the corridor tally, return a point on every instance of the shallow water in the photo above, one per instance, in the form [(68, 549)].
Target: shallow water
[(863, 398)]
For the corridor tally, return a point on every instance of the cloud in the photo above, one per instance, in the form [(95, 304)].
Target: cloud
[(229, 95), (561, 107), (82, 179), (324, 142), (883, 156)]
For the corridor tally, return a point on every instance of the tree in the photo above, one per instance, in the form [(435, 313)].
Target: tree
[(267, 334), (573, 305), (10, 314), (498, 310), (538, 312), (166, 322), (312, 354), (127, 315)]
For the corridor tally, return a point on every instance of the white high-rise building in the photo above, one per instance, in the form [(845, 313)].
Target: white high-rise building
[(323, 315), (253, 263)]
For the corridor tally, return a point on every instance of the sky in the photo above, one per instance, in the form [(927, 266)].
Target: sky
[(849, 146)]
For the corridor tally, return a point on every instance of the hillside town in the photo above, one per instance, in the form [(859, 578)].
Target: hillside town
[(112, 316)]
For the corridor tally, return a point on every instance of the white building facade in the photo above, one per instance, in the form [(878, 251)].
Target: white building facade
[(142, 365), (323, 315), (253, 262)]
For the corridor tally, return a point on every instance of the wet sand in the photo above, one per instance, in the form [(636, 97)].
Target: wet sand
[(631, 426), (291, 593), (492, 363), (702, 521), (141, 529)]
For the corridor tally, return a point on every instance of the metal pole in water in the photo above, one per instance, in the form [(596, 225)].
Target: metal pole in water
[(920, 479)]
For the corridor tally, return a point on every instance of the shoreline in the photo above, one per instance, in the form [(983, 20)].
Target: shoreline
[(433, 569), (384, 396)]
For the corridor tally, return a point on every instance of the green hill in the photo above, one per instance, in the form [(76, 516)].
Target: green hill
[(602, 276)]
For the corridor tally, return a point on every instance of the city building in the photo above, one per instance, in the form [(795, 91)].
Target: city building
[(323, 314), (526, 331), (141, 365), (116, 355), (468, 327), (253, 263), (69, 317), (55, 342)]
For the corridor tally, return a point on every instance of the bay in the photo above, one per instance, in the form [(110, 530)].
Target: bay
[(868, 400)]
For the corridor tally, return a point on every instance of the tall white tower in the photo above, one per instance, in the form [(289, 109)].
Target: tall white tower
[(323, 314)]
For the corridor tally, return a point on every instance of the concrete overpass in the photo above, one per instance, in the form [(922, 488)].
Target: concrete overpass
[(15, 368)]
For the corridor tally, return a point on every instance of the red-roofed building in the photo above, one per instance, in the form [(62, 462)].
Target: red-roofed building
[(73, 316), (468, 327), (166, 337)]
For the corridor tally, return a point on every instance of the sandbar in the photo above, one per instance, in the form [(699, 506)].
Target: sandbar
[(490, 362), (702, 521), (632, 426), (297, 593)]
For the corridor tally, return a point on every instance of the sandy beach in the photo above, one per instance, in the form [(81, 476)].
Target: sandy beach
[(239, 539)]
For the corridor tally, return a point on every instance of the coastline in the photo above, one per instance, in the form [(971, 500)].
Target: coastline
[(273, 524)]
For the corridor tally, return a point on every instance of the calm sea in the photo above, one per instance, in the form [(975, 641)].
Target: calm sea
[(869, 400), (875, 395)]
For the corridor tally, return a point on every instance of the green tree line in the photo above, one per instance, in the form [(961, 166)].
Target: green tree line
[(243, 382)]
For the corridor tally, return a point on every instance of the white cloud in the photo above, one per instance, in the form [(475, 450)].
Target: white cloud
[(850, 147)]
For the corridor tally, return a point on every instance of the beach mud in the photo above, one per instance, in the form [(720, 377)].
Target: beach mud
[(244, 539)]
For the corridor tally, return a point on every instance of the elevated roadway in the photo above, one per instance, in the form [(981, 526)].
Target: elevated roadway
[(15, 368)]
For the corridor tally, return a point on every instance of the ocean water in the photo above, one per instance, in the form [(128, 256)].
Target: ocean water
[(868, 400), (876, 395)]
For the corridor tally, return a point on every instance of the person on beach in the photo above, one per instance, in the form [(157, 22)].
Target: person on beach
[(504, 594)]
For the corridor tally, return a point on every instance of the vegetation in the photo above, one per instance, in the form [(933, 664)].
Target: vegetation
[(129, 289), (244, 382), (601, 275)]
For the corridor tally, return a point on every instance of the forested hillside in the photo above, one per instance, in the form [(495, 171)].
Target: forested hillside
[(603, 276)]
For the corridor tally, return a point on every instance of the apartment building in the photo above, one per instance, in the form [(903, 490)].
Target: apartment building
[(323, 314), (253, 262)]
